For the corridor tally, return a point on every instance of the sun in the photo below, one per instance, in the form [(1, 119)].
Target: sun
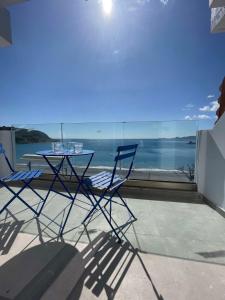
[(107, 6)]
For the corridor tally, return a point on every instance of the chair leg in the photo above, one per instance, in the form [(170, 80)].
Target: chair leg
[(91, 194), (125, 204), (16, 195), (109, 222), (123, 201), (97, 204)]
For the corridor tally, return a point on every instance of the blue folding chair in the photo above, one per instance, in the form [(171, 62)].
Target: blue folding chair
[(23, 176), (108, 184)]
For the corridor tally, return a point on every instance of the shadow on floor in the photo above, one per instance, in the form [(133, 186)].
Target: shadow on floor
[(8, 232), (105, 260), (29, 274), (57, 270), (219, 253), (106, 265)]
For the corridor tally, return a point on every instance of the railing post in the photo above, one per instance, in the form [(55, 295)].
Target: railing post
[(61, 128)]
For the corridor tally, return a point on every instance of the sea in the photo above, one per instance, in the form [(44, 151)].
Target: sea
[(154, 154)]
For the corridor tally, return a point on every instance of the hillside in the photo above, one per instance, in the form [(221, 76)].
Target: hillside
[(25, 136)]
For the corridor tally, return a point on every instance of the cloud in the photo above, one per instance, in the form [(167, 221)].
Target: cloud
[(116, 51), (210, 96), (188, 106), (213, 106), (164, 2), (197, 117), (137, 3), (142, 2)]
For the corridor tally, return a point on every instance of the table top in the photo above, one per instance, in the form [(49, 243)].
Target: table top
[(64, 153)]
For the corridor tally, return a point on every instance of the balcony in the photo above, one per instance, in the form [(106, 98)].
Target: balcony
[(174, 251)]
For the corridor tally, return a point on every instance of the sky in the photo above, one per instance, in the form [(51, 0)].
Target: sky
[(147, 60)]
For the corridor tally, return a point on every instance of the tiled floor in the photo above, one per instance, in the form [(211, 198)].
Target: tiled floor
[(175, 250)]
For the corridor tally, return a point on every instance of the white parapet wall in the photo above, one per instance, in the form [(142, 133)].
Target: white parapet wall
[(218, 19), (211, 164), (5, 25), (12, 2), (7, 138), (216, 3)]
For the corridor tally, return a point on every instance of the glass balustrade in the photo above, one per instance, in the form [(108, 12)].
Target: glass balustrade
[(166, 150)]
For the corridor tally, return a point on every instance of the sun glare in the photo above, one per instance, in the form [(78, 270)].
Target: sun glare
[(107, 6)]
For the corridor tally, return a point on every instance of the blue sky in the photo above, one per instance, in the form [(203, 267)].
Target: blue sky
[(148, 60)]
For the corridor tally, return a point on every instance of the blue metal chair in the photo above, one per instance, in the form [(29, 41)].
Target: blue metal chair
[(108, 185), (23, 176)]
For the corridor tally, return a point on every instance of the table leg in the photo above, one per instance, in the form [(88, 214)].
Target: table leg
[(56, 175), (79, 187)]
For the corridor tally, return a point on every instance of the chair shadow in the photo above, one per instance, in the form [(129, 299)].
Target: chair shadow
[(106, 259), (100, 267), (106, 263), (9, 229)]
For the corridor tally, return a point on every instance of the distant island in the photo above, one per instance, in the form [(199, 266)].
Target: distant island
[(183, 138), (26, 136)]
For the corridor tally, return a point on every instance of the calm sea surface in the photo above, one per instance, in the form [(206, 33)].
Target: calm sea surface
[(152, 154)]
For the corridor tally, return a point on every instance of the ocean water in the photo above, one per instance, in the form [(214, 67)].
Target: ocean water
[(158, 154)]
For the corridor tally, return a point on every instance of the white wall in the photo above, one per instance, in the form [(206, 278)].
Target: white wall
[(7, 138), (5, 28), (211, 164), (216, 3), (12, 2)]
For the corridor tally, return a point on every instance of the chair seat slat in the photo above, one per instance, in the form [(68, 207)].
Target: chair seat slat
[(102, 178), (14, 176), (115, 180), (98, 175), (7, 177), (100, 184), (104, 181), (22, 175)]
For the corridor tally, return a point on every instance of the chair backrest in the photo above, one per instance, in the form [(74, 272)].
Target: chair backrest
[(2, 152), (125, 152)]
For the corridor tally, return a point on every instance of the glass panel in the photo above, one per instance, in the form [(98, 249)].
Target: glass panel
[(166, 150), (103, 138), (31, 138)]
